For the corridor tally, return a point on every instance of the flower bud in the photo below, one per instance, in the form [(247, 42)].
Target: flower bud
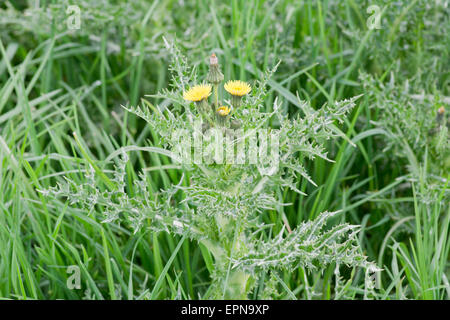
[(215, 76), (223, 114), (235, 124), (440, 115)]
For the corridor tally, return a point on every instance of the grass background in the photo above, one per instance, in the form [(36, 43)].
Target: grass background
[(55, 82)]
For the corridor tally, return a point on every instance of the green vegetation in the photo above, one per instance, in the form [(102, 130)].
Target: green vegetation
[(87, 178)]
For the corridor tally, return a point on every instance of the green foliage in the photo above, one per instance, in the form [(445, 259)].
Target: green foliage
[(63, 130), (222, 205)]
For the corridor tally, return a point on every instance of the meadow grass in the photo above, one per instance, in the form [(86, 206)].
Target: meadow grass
[(61, 93)]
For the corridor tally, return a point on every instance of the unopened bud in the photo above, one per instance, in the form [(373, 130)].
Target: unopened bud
[(440, 115), (215, 76), (235, 124), (213, 59)]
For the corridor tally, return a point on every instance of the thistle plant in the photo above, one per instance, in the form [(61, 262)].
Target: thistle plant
[(233, 162), (417, 127), (415, 138)]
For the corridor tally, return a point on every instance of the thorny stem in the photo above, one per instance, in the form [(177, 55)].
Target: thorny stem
[(235, 286), (216, 96), (203, 108)]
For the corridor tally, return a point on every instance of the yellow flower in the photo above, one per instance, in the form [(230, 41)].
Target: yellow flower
[(237, 88), (223, 111), (198, 92)]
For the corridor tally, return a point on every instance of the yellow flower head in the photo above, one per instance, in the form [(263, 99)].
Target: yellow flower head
[(237, 88), (223, 111), (198, 92)]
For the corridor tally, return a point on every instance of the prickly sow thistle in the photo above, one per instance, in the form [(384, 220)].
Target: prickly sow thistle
[(237, 89), (223, 114), (200, 93), (223, 205)]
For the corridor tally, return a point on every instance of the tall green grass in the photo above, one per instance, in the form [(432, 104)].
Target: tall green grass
[(60, 97)]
